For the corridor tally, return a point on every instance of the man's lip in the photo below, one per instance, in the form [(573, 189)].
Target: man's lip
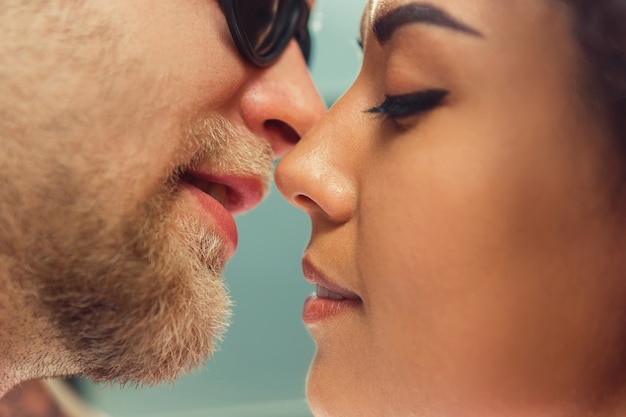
[(243, 193), (215, 215), (313, 275)]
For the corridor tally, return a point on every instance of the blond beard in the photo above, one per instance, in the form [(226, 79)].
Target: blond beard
[(138, 299), (132, 297)]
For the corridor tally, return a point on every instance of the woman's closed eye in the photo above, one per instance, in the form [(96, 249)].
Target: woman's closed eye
[(412, 104)]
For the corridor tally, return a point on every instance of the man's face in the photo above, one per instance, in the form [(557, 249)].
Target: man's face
[(131, 133)]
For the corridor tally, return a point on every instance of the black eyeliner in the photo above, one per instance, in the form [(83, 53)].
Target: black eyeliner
[(404, 105)]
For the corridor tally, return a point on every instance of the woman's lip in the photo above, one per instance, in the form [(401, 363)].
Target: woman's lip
[(315, 277), (318, 308), (221, 220)]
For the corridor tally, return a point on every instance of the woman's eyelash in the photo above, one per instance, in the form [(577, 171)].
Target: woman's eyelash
[(398, 107), (359, 42)]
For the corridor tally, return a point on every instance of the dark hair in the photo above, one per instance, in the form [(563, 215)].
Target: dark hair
[(601, 31)]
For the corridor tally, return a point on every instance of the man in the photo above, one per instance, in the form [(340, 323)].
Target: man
[(130, 133)]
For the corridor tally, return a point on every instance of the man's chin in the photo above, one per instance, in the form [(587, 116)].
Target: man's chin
[(177, 317), (140, 310)]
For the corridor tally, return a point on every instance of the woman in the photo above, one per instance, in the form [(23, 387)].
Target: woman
[(469, 216)]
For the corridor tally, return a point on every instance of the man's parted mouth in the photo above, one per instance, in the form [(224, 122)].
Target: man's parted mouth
[(221, 197), (216, 190), (235, 194)]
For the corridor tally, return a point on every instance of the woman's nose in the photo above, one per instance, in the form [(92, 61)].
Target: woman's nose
[(318, 175)]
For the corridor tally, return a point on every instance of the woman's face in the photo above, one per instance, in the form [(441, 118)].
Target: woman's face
[(464, 201)]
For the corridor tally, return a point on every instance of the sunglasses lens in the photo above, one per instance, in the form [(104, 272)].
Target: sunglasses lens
[(256, 20), (269, 25)]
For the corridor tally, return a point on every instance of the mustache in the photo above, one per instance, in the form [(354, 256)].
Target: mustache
[(217, 145)]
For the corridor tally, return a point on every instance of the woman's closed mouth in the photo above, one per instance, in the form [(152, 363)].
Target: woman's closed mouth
[(329, 299)]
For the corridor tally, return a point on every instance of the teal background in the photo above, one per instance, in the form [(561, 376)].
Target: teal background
[(261, 366)]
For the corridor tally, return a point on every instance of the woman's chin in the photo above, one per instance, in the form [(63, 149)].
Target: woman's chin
[(333, 391)]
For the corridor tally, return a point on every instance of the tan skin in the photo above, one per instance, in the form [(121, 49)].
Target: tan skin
[(483, 236), (101, 102)]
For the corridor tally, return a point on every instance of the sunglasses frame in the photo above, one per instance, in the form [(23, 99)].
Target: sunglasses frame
[(296, 27)]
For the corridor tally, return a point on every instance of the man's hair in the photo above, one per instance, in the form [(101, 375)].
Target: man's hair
[(600, 28)]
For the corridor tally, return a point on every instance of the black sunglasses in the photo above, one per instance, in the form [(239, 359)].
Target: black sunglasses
[(262, 29)]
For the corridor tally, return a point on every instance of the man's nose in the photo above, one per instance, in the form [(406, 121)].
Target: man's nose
[(281, 103)]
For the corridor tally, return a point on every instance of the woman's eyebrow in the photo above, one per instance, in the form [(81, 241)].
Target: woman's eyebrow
[(386, 25)]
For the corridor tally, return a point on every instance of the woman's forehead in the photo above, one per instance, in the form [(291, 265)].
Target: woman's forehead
[(366, 17), (377, 8), (485, 16)]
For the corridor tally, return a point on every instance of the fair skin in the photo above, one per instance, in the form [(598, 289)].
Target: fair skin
[(132, 132), (475, 238)]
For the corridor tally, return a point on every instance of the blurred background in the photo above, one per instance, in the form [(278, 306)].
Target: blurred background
[(261, 367)]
